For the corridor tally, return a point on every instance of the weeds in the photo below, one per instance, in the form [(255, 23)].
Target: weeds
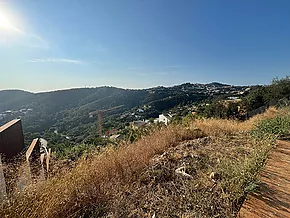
[(92, 182), (166, 194), (126, 182), (276, 127), (239, 175)]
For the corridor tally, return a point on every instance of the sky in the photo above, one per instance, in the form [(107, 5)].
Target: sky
[(58, 44)]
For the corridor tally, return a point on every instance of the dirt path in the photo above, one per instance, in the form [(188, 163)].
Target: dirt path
[(272, 199)]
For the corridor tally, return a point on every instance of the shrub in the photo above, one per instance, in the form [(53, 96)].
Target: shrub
[(278, 127)]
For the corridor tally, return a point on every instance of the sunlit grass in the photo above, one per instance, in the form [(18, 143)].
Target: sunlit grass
[(87, 189)]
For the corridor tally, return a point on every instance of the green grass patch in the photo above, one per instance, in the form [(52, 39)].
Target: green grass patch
[(275, 127)]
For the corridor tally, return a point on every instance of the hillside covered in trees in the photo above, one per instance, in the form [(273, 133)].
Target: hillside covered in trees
[(226, 154), (67, 111), (257, 100), (63, 117)]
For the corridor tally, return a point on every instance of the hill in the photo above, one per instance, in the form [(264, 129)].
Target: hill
[(10, 99), (201, 168), (67, 111), (46, 109), (193, 167)]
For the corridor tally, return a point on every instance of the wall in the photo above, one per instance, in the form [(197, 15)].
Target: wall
[(11, 140), (11, 145)]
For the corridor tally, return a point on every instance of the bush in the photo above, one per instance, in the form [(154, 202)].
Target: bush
[(278, 127)]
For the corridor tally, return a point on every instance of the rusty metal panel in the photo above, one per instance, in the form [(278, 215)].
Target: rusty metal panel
[(11, 139)]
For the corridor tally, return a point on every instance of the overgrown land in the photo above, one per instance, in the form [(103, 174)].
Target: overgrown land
[(198, 168), (201, 165)]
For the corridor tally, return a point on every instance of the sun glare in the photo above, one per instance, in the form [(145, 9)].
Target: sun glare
[(5, 23)]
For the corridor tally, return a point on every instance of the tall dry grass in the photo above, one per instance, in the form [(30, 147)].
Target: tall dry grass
[(216, 127), (85, 190), (161, 191), (87, 187)]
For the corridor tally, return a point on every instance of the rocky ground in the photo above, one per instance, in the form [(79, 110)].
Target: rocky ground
[(185, 181)]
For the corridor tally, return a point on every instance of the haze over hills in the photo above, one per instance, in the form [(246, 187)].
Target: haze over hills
[(14, 98), (18, 99), (68, 110), (113, 126)]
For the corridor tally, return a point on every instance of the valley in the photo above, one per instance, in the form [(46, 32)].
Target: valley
[(68, 111)]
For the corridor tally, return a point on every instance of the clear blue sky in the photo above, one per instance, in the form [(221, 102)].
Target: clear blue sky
[(57, 44)]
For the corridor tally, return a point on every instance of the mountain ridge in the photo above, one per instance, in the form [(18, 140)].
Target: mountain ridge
[(68, 110), (106, 86)]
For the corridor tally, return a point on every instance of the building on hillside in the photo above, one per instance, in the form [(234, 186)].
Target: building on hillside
[(233, 98), (140, 110), (114, 137), (111, 132), (166, 119), (138, 124), (193, 113)]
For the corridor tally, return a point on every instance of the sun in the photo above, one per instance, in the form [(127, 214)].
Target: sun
[(5, 23)]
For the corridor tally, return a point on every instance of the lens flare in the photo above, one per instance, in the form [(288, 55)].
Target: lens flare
[(5, 23)]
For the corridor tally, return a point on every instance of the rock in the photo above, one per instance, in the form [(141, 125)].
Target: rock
[(214, 176)]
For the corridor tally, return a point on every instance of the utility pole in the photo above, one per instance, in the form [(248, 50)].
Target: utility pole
[(100, 123)]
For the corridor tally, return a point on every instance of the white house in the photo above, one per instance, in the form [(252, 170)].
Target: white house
[(118, 136), (140, 110), (137, 124), (164, 119)]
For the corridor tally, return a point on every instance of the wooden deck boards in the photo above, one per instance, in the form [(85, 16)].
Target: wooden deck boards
[(272, 199)]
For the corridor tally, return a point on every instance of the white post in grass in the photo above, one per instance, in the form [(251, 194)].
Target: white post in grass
[(25, 176), (3, 193)]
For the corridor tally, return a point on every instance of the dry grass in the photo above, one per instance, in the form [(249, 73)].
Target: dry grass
[(92, 182), (230, 152), (161, 191), (88, 189), (268, 114), (217, 127)]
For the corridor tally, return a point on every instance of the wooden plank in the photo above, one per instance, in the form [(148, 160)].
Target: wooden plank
[(272, 199), (30, 149), (9, 124)]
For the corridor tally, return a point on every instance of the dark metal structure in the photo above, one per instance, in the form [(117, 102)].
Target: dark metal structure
[(99, 112), (11, 145), (35, 156), (11, 140)]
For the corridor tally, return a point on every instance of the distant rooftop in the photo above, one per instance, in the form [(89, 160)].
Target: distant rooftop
[(7, 125)]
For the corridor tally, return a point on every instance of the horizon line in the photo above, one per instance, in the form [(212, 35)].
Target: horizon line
[(126, 88)]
